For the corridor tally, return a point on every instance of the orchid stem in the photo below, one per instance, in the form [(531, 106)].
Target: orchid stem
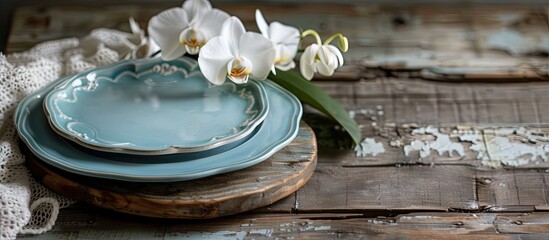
[(313, 33), (342, 40)]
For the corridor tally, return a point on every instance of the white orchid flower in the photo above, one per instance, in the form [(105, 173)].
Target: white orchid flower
[(185, 30), (322, 58), (236, 54), (128, 45), (145, 46), (286, 40)]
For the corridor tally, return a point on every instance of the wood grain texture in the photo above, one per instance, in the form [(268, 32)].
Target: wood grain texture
[(443, 43), (536, 223), (75, 224), (513, 189), (413, 100), (389, 109), (215, 196), (334, 189)]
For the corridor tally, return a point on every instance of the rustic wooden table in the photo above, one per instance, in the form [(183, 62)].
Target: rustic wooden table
[(468, 69)]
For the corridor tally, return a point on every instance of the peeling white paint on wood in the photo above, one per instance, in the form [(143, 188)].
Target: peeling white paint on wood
[(442, 144), (220, 235), (369, 146), (317, 228), (495, 148), (286, 228), (364, 112), (396, 143), (495, 151), (418, 217), (532, 136), (267, 232)]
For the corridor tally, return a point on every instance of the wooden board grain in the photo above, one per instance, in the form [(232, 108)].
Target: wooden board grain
[(443, 43), (513, 190), (439, 188), (336, 189), (536, 223), (215, 196), (413, 100), (78, 223), (389, 109)]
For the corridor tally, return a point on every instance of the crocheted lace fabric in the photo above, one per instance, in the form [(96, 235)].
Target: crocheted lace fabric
[(26, 206)]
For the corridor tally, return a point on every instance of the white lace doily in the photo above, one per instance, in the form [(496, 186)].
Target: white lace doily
[(26, 206)]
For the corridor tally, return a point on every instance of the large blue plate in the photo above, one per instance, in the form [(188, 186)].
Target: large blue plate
[(278, 129), (153, 107)]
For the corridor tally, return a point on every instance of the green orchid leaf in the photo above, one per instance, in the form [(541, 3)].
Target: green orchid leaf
[(314, 96)]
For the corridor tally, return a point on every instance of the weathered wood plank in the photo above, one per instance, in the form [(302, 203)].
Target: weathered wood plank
[(469, 43), (507, 148), (501, 190), (455, 45), (79, 222), (524, 223), (389, 109), (338, 189), (424, 103)]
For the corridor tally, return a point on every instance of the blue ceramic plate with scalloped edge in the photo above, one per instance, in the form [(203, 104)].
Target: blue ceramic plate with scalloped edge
[(153, 107), (278, 129)]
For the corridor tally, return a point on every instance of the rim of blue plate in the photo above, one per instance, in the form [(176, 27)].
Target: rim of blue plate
[(190, 66)]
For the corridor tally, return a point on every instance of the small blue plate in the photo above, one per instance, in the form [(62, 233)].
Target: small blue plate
[(153, 107), (278, 129)]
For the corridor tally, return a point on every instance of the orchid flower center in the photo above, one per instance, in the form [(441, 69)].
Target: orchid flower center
[(239, 69), (282, 56), (192, 39)]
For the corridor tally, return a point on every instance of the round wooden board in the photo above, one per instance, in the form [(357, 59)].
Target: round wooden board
[(215, 196)]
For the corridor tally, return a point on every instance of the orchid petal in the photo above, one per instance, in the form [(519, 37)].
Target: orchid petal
[(286, 66), (196, 8), (134, 26), (213, 59), (211, 22), (328, 61), (309, 54), (324, 68), (173, 18), (307, 70), (285, 35), (260, 51), (175, 53), (285, 38), (261, 23), (150, 48), (284, 58), (233, 29), (327, 57), (306, 62), (165, 28), (337, 53)]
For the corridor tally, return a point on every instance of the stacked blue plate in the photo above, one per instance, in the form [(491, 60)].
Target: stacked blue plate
[(155, 121)]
